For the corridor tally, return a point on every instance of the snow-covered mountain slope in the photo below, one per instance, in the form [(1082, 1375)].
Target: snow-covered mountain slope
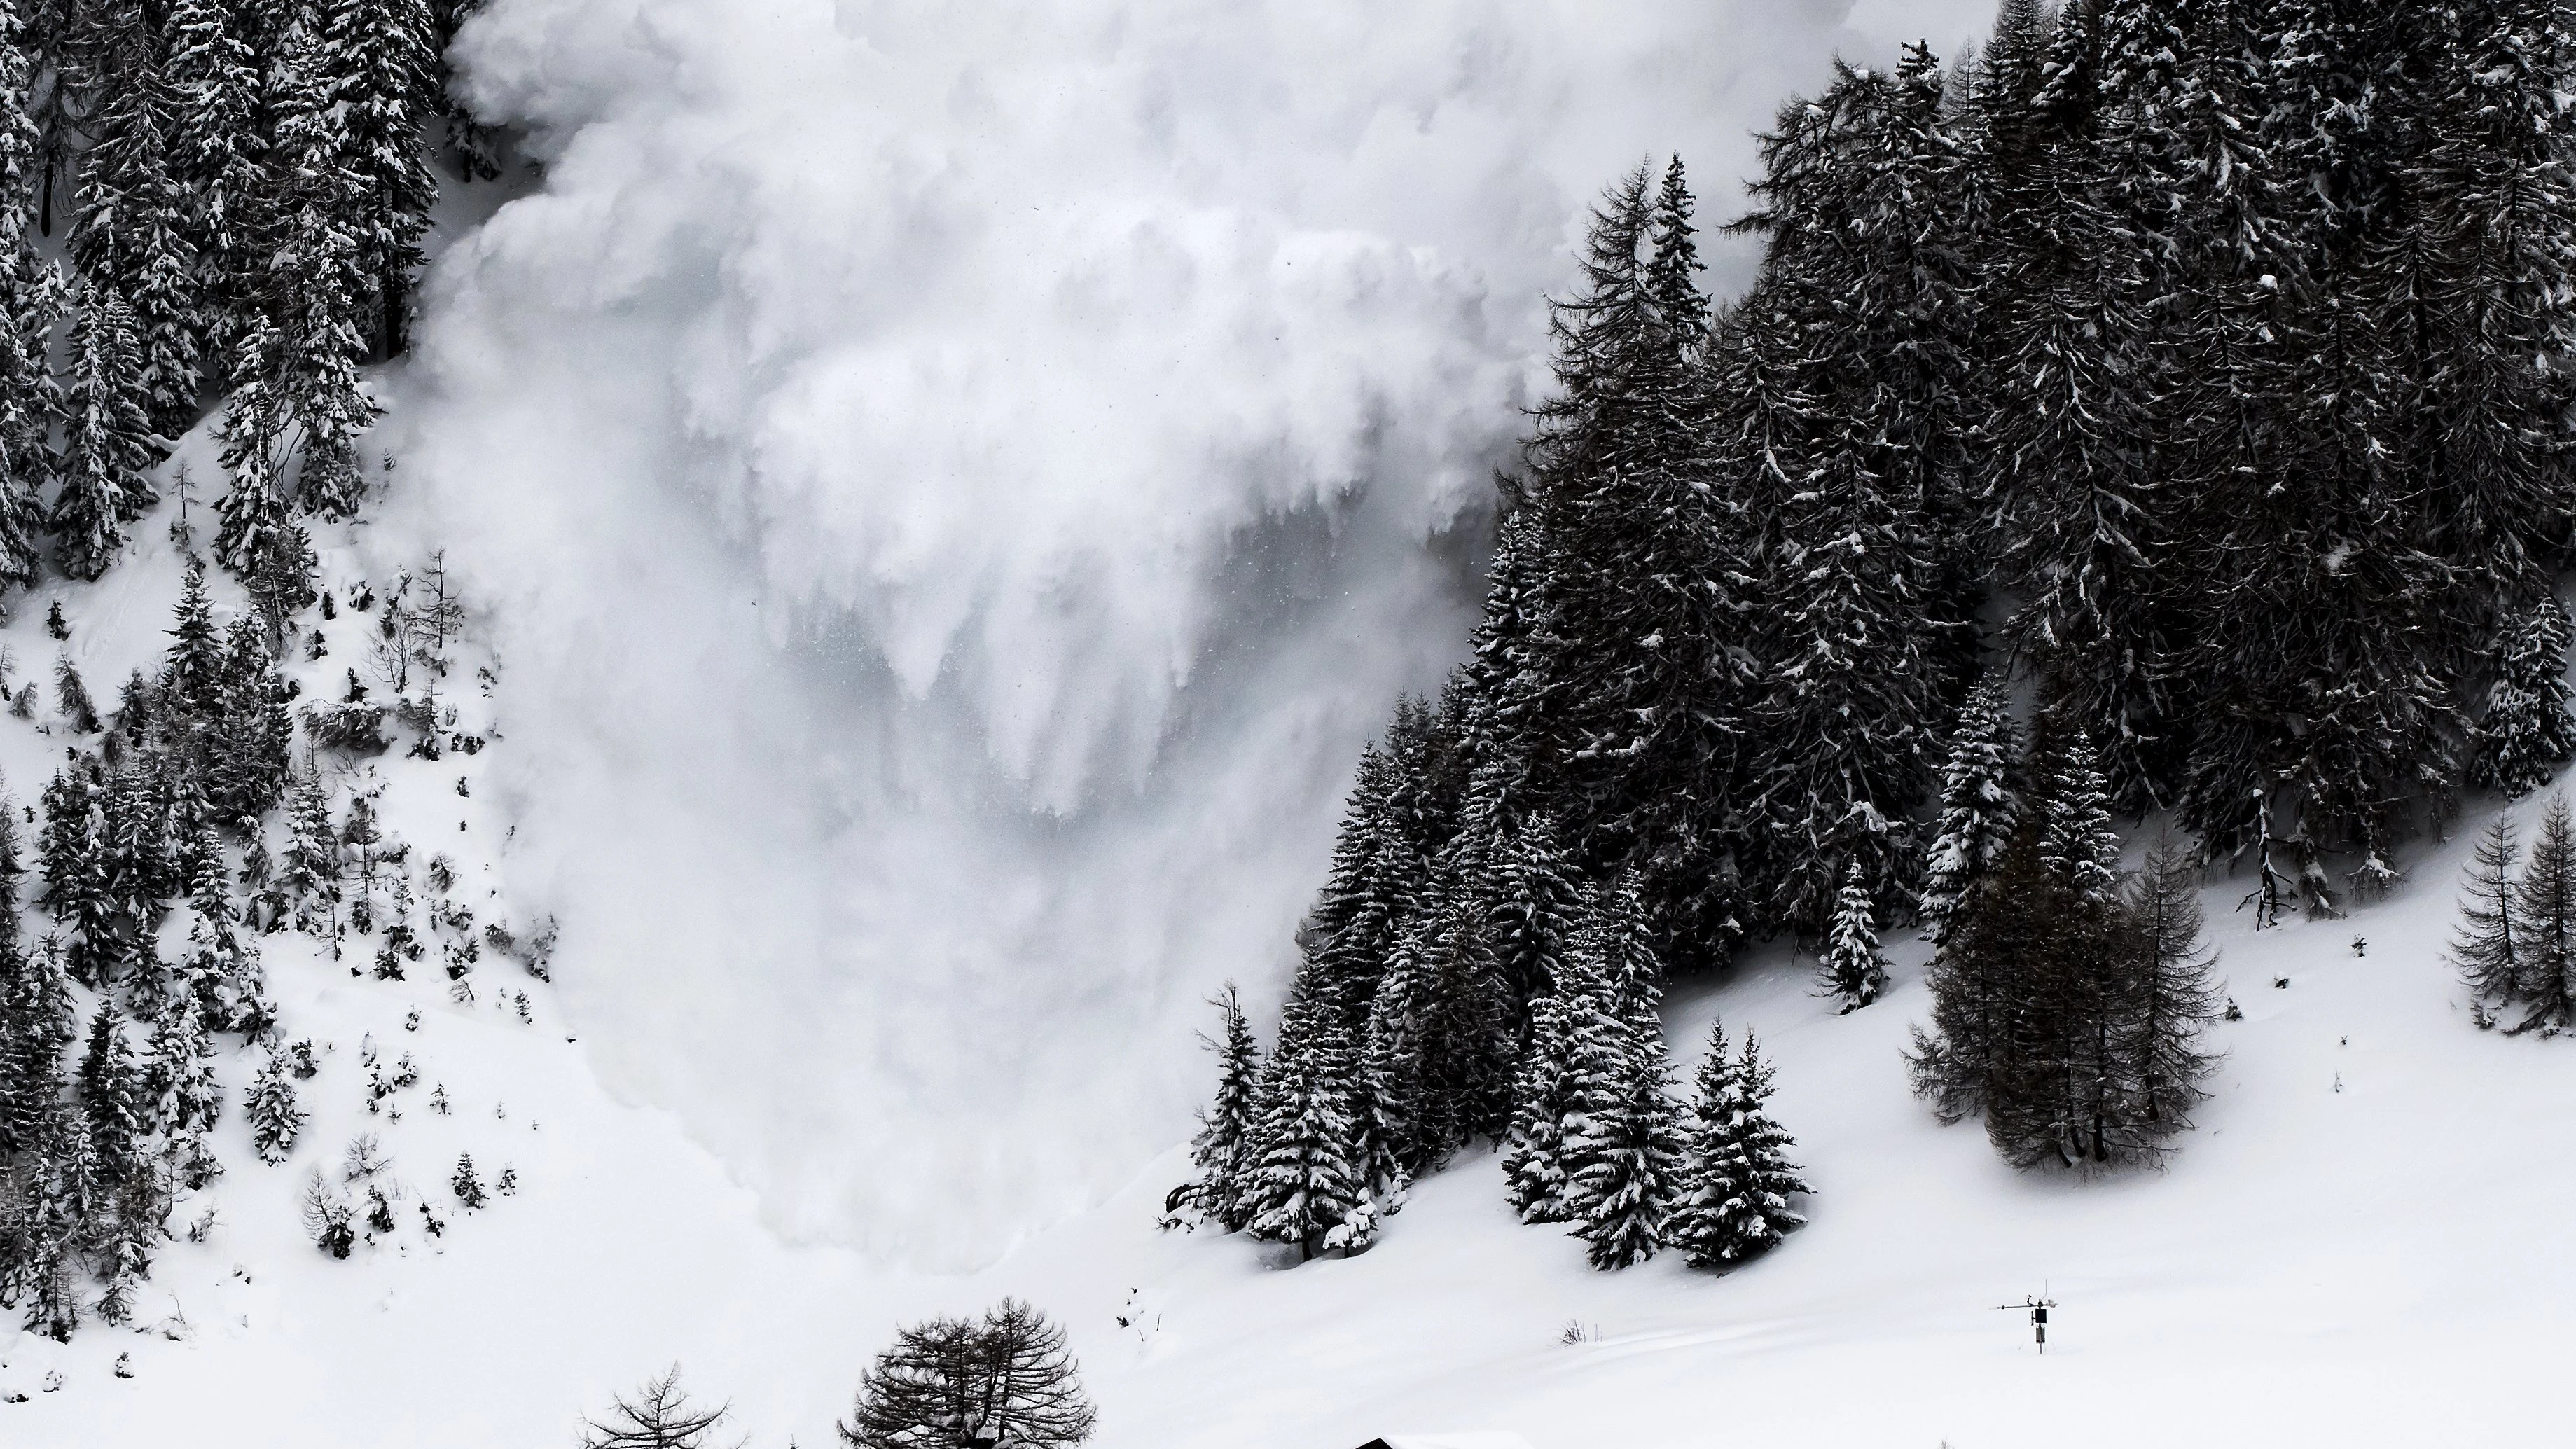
[(957, 487), (932, 640), (2361, 1245)]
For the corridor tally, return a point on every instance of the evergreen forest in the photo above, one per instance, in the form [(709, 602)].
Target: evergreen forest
[(2163, 411)]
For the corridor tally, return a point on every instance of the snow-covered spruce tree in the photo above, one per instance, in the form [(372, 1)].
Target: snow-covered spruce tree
[(2000, 1008), (75, 853), (1407, 1130), (107, 441), (2483, 949), (1586, 1040), (2076, 841), (256, 523), (310, 874), (193, 665), (29, 302), (2087, 537), (1529, 892), (217, 146), (1227, 1128), (2067, 1093), (250, 745), (131, 233), (1854, 969), (182, 1095), (111, 1094), (1610, 1160), (1980, 803), (2173, 1001), (1630, 736), (1457, 1028), (275, 1119), (1307, 1183), (301, 401), (2472, 282), (2325, 653), (1616, 1148), (2527, 733), (381, 57), (466, 1183), (1736, 1179), (1534, 1179), (1004, 1381), (1378, 874), (133, 1226), (2544, 916), (1839, 437)]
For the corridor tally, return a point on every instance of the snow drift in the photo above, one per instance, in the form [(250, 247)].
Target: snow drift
[(955, 485)]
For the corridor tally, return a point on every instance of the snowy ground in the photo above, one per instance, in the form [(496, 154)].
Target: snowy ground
[(2362, 1245)]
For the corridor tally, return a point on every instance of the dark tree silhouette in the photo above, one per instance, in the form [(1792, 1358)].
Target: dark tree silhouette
[(657, 1416), (955, 1384)]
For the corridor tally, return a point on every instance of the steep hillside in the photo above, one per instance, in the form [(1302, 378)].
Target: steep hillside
[(2358, 1246)]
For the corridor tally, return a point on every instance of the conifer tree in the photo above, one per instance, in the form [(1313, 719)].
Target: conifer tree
[(2544, 915), (2472, 286), (29, 398), (193, 665), (1840, 437), (466, 1183), (1004, 1381), (1307, 1184), (72, 699), (2483, 949), (1407, 1130), (304, 401), (1616, 1150), (183, 1097), (1736, 1180), (1980, 803), (1636, 735), (1988, 1049), (217, 147), (133, 238), (275, 1119), (2173, 1001), (106, 442), (256, 526), (1854, 969), (1227, 1129), (1534, 901), (381, 60), (1458, 1027), (2076, 842), (311, 870), (250, 748), (40, 1025), (79, 888), (657, 1416), (111, 1094), (1534, 1177), (2527, 732)]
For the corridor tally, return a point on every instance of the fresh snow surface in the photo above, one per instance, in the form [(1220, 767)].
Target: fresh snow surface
[(2363, 1244)]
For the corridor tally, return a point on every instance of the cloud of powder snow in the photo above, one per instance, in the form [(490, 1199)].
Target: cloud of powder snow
[(954, 486)]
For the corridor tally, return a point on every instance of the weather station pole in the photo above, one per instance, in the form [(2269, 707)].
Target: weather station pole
[(2037, 1308)]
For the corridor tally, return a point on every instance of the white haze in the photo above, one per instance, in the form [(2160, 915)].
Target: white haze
[(956, 484)]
